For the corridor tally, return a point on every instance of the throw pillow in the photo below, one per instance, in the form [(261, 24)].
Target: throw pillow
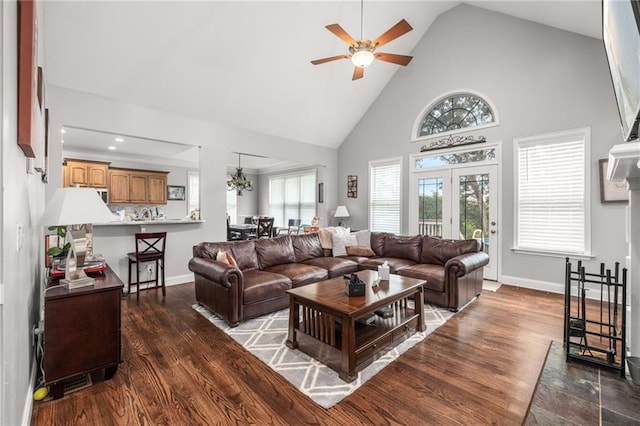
[(363, 237), (326, 235), (225, 257), (361, 251), (341, 241)]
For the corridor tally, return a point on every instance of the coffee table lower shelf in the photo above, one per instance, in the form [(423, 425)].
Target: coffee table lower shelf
[(372, 341)]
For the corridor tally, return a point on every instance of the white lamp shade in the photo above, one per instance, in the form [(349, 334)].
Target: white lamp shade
[(341, 211), (362, 58), (75, 206)]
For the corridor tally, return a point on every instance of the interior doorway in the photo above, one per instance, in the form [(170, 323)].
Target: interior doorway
[(455, 195)]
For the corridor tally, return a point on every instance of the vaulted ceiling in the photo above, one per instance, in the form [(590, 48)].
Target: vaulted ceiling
[(247, 64)]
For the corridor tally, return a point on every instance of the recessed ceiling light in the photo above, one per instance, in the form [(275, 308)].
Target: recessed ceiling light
[(112, 148), (63, 131), (61, 140), (119, 140)]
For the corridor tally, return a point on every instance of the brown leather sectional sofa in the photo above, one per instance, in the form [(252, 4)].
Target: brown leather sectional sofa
[(266, 268)]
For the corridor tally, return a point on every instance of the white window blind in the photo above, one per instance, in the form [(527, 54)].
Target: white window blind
[(292, 196), (193, 183), (552, 193), (384, 201)]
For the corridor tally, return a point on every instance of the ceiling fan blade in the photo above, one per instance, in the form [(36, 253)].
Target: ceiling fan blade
[(392, 33), (342, 34), (358, 73), (333, 58), (394, 59)]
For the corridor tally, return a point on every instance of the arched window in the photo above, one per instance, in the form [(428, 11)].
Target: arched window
[(454, 112)]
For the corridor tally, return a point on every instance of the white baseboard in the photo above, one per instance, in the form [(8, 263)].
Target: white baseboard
[(593, 292), (170, 281), (533, 284)]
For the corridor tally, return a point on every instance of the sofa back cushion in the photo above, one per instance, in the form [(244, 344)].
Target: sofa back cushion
[(243, 252), (439, 251), (403, 247), (306, 246), (377, 242), (275, 251)]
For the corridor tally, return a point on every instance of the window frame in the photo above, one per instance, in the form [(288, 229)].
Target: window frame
[(379, 163), (550, 138), (417, 123)]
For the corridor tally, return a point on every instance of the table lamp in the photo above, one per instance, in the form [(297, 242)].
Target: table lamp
[(341, 212), (76, 206)]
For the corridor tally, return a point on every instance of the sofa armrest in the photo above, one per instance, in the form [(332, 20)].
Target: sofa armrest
[(461, 265), (213, 270)]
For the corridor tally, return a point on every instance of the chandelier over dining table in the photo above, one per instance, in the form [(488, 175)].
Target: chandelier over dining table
[(239, 181)]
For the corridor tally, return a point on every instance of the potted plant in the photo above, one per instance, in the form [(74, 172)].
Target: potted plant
[(57, 251)]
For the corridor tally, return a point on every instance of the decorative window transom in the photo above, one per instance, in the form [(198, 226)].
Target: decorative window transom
[(456, 112)]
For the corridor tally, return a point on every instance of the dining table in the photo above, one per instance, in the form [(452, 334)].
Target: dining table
[(244, 229)]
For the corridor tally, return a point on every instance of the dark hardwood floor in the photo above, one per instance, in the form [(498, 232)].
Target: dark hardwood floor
[(480, 367)]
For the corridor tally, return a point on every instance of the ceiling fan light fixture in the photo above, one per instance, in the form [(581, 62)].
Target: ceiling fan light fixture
[(362, 58)]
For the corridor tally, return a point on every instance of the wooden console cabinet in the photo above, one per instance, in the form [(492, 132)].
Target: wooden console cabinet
[(82, 330), (137, 186)]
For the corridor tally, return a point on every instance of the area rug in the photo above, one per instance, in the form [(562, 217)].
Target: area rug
[(265, 337)]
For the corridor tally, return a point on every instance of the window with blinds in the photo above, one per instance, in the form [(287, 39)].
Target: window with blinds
[(552, 192), (384, 198), (292, 196), (232, 204)]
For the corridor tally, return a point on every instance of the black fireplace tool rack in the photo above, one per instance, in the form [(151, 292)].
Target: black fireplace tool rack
[(595, 336)]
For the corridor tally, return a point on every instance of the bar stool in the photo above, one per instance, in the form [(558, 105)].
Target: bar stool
[(150, 247)]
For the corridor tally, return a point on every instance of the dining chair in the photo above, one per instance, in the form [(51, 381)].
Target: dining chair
[(293, 227), (264, 229), (150, 247), (232, 235)]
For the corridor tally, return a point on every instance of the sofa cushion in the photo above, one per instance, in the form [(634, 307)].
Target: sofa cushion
[(275, 251), (394, 263), (225, 257), (244, 252), (403, 247), (300, 273), (433, 274), (377, 242), (306, 246), (341, 241), (263, 285), (439, 251), (360, 251), (326, 235), (363, 237), (336, 266)]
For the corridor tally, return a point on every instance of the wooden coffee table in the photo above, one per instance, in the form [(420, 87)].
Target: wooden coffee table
[(323, 320)]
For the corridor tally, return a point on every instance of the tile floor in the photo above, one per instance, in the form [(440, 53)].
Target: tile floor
[(577, 393)]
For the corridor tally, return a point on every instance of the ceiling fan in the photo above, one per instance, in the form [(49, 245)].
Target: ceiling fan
[(362, 52)]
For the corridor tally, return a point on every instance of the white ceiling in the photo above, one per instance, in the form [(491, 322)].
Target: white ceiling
[(247, 64)]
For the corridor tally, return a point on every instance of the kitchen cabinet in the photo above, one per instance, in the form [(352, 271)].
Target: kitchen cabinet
[(137, 186), (82, 330), (84, 173)]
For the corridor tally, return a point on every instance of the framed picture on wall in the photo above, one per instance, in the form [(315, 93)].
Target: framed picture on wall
[(176, 193), (28, 103), (611, 192), (352, 186), (321, 193)]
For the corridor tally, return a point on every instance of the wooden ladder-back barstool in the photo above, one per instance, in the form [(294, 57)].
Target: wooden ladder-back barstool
[(150, 247)]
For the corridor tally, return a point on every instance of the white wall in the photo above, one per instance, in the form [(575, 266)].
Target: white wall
[(540, 79), (22, 205), (93, 112)]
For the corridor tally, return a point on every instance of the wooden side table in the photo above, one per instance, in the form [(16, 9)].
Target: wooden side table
[(81, 330)]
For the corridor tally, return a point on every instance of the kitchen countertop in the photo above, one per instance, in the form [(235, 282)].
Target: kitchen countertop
[(149, 222)]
